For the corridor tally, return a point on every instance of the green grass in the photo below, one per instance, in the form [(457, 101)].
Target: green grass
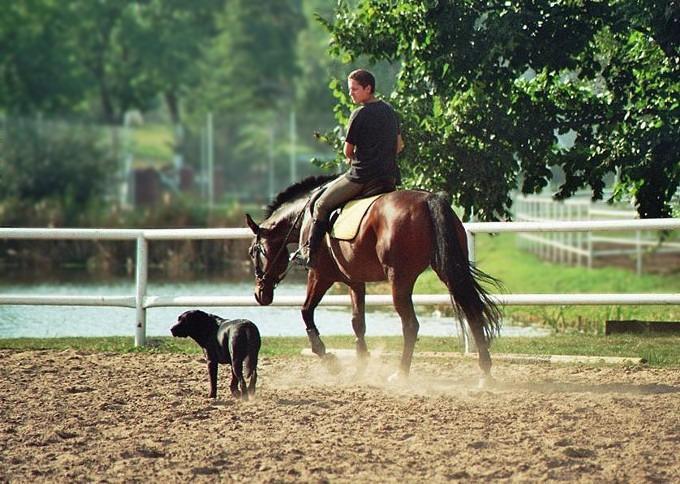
[(657, 350), (152, 145), (522, 272)]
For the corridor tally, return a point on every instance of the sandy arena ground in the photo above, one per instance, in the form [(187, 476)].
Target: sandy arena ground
[(71, 416)]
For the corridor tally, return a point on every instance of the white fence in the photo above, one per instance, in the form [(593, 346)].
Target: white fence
[(141, 301), (580, 248)]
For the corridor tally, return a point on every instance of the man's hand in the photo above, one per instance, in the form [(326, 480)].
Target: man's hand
[(349, 152)]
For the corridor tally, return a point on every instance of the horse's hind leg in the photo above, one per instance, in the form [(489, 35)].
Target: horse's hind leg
[(403, 303), (357, 294), (484, 357)]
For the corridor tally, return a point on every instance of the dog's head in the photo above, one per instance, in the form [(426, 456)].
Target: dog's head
[(194, 324)]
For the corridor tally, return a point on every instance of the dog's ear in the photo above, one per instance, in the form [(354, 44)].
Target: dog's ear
[(204, 317), (189, 315), (251, 223), (204, 322)]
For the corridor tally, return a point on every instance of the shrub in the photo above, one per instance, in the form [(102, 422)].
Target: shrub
[(63, 166)]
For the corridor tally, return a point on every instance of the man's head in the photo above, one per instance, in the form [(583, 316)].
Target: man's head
[(361, 85)]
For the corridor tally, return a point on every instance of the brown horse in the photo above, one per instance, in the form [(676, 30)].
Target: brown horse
[(403, 233)]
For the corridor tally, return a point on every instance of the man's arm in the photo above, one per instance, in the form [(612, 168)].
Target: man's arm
[(349, 152), (400, 143)]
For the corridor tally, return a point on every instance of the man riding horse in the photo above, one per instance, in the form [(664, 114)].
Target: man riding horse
[(371, 146), (401, 234)]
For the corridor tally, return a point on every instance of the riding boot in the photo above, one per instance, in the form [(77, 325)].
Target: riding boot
[(319, 228)]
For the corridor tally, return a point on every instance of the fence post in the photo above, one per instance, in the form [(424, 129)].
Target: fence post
[(544, 214), (552, 215), (140, 290), (580, 215), (536, 244), (564, 254), (570, 235), (589, 241), (638, 252)]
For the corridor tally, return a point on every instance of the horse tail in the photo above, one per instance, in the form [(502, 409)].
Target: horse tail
[(463, 280)]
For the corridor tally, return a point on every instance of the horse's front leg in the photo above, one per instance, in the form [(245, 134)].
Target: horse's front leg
[(316, 288), (357, 293)]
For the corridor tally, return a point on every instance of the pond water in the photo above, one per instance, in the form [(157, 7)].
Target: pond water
[(57, 321)]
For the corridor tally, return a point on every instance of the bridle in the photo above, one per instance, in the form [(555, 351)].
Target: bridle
[(257, 251)]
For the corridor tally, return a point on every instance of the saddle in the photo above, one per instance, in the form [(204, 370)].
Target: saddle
[(344, 221)]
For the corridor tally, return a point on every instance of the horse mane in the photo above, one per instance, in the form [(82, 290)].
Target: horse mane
[(295, 191)]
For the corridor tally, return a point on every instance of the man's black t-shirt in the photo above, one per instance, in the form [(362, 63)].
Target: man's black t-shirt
[(373, 130)]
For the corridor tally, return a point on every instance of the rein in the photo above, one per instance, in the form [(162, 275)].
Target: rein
[(261, 276)]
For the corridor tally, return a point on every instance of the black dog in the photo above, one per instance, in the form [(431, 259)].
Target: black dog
[(223, 341)]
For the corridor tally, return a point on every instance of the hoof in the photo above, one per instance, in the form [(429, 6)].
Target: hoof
[(486, 382), (363, 355), (361, 367), (332, 364), (397, 377)]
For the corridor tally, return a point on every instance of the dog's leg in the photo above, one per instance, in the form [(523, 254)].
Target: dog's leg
[(212, 372), (238, 369), (252, 383), (250, 365), (233, 386), (238, 383)]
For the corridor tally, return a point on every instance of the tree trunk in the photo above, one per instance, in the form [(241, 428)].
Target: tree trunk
[(173, 106)]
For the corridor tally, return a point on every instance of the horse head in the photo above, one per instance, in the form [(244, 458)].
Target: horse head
[(269, 251), (270, 259)]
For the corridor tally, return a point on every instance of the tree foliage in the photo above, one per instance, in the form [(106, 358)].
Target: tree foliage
[(104, 57), (65, 165), (35, 75), (97, 60), (251, 63), (485, 87), (247, 80), (172, 35)]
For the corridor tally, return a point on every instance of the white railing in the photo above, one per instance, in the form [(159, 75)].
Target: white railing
[(578, 248), (141, 301)]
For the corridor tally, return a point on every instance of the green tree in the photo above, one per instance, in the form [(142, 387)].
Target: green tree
[(251, 63), (484, 88), (37, 72), (248, 82), (106, 56), (104, 43), (58, 57), (171, 36)]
